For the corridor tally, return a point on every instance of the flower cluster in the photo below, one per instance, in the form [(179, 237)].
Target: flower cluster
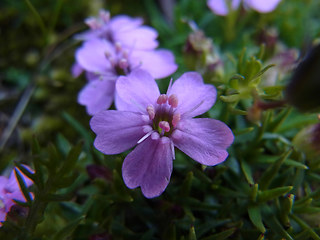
[(10, 191), (121, 64), (221, 7), (114, 47)]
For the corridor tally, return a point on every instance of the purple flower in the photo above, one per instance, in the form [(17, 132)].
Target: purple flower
[(220, 7), (156, 123), (104, 62), (9, 191), (123, 29)]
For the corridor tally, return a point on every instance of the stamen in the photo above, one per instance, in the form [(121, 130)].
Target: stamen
[(164, 125), (175, 119), (112, 61), (104, 16), (110, 58), (151, 112), (118, 46), (144, 137), (173, 101), (162, 99), (123, 63)]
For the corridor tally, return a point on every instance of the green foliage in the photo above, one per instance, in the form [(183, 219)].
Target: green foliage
[(267, 188)]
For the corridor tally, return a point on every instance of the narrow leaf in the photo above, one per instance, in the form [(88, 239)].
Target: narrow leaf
[(267, 195), (255, 217), (222, 235), (272, 171), (65, 232), (23, 186)]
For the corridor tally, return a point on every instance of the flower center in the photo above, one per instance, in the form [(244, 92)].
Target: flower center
[(163, 116), (120, 61)]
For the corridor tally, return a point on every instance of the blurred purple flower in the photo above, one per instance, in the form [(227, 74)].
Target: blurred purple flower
[(156, 123), (9, 191), (220, 7), (127, 31), (105, 62)]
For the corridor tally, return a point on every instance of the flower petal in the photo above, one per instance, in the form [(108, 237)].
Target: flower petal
[(263, 6), (159, 63), (92, 56), (142, 38), (194, 97), (136, 91), (204, 140), (97, 95), (117, 131), (124, 23), (149, 166), (220, 7), (3, 215), (76, 70)]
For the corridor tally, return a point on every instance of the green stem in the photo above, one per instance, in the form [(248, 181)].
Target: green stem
[(38, 18)]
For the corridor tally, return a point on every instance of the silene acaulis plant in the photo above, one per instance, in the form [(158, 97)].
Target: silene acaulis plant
[(160, 120)]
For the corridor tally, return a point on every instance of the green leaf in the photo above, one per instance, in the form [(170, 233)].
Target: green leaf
[(38, 18), (286, 204), (192, 234), (64, 182), (246, 169), (272, 171), (306, 210), (276, 227), (221, 235), (71, 159), (169, 234), (230, 98), (253, 67), (120, 189), (198, 205), (238, 111), (55, 159), (35, 147), (267, 195), (255, 217), (25, 171), (186, 186), (65, 232), (260, 73), (57, 197), (273, 126), (23, 187), (241, 131), (305, 226), (272, 91)]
